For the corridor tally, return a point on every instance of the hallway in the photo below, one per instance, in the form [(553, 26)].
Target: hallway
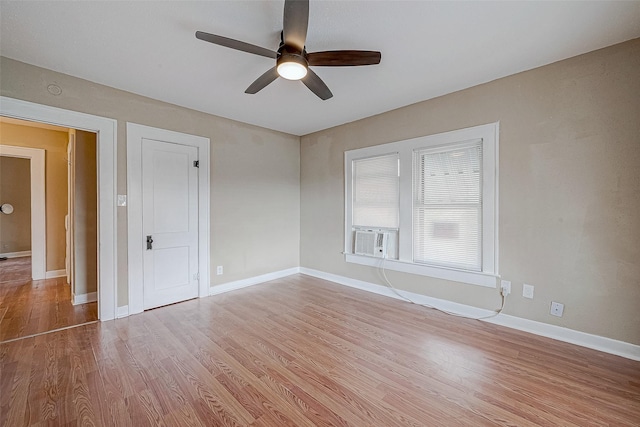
[(29, 307)]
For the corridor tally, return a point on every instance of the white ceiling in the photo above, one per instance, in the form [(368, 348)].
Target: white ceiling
[(428, 49)]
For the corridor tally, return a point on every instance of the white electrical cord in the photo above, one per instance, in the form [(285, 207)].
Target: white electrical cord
[(384, 275)]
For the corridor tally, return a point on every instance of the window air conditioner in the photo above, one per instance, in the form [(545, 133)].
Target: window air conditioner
[(371, 243)]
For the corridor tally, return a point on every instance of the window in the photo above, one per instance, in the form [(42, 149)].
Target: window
[(376, 194), (435, 200), (447, 206)]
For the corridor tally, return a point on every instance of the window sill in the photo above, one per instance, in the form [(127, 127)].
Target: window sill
[(470, 277)]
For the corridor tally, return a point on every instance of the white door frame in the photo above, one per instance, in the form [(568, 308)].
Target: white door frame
[(135, 134), (106, 130), (69, 247), (38, 205)]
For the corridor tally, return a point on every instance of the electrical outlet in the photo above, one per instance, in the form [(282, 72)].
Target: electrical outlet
[(527, 291), (505, 287), (219, 270), (556, 309)]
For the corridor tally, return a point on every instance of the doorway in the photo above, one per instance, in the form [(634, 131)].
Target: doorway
[(13, 242), (106, 153), (33, 300), (168, 216)]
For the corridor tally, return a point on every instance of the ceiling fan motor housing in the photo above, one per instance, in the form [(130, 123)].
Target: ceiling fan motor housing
[(290, 56)]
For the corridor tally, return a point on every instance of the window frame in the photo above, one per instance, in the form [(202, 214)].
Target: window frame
[(489, 134)]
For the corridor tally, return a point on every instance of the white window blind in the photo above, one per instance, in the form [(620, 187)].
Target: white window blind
[(376, 193), (447, 206)]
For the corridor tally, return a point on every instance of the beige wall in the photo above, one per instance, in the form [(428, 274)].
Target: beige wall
[(569, 184), (569, 189), (85, 217), (15, 189), (55, 145), (255, 192)]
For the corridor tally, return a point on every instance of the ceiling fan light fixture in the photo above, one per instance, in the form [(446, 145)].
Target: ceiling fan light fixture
[(292, 58), (292, 67)]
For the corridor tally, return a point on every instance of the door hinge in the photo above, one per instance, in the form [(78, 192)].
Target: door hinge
[(196, 163)]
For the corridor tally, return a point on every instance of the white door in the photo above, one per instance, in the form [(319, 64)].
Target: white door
[(169, 222)]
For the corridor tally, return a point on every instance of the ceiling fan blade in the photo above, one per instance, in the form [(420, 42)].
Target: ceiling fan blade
[(343, 58), (262, 81), (316, 85), (295, 23), (236, 44)]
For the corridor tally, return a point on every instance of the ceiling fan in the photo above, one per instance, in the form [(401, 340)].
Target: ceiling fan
[(292, 58)]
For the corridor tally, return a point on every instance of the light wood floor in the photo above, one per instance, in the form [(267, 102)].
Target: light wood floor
[(302, 352), (29, 307)]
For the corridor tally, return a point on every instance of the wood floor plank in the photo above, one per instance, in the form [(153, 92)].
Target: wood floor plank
[(29, 307), (17, 390), (300, 351), (184, 416)]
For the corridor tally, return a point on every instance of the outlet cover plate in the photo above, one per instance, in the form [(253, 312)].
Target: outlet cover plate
[(556, 309), (219, 270), (527, 291), (505, 287)]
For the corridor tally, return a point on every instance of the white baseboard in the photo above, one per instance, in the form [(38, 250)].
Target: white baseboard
[(454, 307), (15, 254), (230, 286), (607, 345), (596, 342), (55, 273), (84, 298), (122, 312), (239, 284)]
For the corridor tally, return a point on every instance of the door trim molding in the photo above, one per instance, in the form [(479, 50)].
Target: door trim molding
[(106, 130), (135, 134), (38, 205)]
